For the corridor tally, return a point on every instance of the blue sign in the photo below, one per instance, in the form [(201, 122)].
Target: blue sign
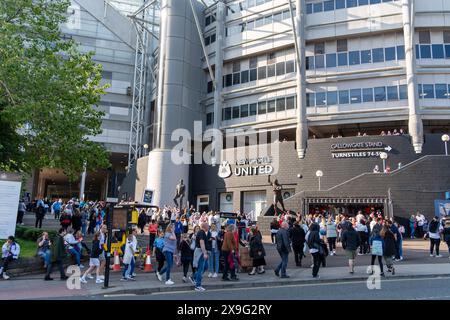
[(441, 208)]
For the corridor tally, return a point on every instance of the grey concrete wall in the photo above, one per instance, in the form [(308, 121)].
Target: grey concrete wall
[(204, 179)]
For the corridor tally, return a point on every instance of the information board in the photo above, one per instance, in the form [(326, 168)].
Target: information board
[(9, 203)]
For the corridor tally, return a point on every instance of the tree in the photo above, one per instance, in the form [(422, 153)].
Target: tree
[(47, 92)]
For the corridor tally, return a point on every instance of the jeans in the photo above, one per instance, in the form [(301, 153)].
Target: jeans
[(434, 243), (76, 255), (60, 267), (399, 247), (213, 260), (332, 243), (39, 222), (380, 262), (202, 266), (6, 262), (283, 264), (226, 266), (272, 237), (128, 269), (169, 263), (83, 229), (46, 255), (317, 261), (57, 213), (413, 230)]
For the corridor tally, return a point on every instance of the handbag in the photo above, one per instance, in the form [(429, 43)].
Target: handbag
[(377, 248)]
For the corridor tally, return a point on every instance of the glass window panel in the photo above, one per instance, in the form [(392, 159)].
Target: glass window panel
[(261, 72), (366, 56), (253, 63), (228, 80), (378, 55), (287, 13), (438, 51), (320, 61), (352, 3), (253, 74), (310, 63), (262, 107), (425, 51), (309, 9), (208, 41), (355, 96), (213, 38), (236, 66), (353, 58), (321, 98), (244, 76), (417, 48), (270, 70), (380, 93), (441, 91), (363, 2), (209, 118), (447, 51), (331, 60), (236, 78), (392, 93), (389, 53), (375, 1), (419, 91), (310, 99), (343, 59), (253, 109), (210, 87), (400, 52), (281, 104), (270, 106), (340, 4), (290, 66), (342, 45), (318, 7), (424, 36), (227, 113), (244, 110), (319, 48), (446, 36), (290, 103), (235, 112), (268, 19), (344, 97), (367, 94), (428, 91), (332, 98), (403, 91), (250, 25), (259, 22), (277, 17), (280, 68), (328, 5)]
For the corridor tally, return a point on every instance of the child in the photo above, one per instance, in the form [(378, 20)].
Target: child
[(157, 250), (128, 259), (94, 261), (186, 254)]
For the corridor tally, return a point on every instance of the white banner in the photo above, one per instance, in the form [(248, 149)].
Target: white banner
[(9, 203)]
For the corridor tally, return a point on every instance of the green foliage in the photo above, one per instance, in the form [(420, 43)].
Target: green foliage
[(47, 92), (32, 234)]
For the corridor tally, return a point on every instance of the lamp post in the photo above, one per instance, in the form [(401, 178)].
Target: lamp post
[(384, 156), (319, 174), (445, 138), (145, 146)]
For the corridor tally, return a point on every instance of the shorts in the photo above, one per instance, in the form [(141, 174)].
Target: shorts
[(102, 256), (94, 262), (351, 254)]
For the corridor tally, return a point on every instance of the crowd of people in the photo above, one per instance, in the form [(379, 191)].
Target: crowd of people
[(209, 243), (394, 132)]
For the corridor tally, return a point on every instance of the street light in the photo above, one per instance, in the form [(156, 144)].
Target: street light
[(319, 174), (384, 156), (445, 138)]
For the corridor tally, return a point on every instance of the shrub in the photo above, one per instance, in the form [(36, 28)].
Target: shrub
[(32, 234)]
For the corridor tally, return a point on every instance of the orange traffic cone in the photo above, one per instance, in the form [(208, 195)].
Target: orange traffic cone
[(116, 266), (148, 262)]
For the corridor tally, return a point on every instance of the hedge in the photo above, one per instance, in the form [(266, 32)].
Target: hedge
[(30, 233)]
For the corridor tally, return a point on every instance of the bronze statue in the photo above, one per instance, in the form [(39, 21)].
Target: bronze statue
[(179, 193), (277, 196)]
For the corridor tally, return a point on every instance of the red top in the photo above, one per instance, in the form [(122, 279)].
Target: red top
[(153, 228)]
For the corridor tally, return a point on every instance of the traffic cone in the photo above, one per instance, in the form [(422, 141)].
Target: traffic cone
[(148, 262), (116, 266)]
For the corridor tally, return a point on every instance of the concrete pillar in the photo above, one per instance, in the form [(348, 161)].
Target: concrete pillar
[(220, 36), (415, 125), (82, 183), (302, 126)]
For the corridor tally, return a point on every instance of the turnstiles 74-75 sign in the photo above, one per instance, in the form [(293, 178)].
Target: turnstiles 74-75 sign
[(364, 149)]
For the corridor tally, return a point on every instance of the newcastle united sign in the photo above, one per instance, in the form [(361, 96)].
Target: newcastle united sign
[(247, 167), (358, 149)]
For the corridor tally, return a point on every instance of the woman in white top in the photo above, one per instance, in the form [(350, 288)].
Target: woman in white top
[(213, 262)]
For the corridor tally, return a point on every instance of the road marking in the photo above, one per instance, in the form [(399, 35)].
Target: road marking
[(305, 285), (431, 298), (119, 295)]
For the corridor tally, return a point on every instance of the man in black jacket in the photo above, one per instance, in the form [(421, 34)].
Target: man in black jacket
[(298, 242), (283, 248), (350, 243)]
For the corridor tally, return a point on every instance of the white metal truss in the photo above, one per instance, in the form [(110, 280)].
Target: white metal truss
[(145, 28)]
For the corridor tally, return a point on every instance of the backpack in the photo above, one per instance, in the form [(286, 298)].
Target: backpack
[(434, 226)]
